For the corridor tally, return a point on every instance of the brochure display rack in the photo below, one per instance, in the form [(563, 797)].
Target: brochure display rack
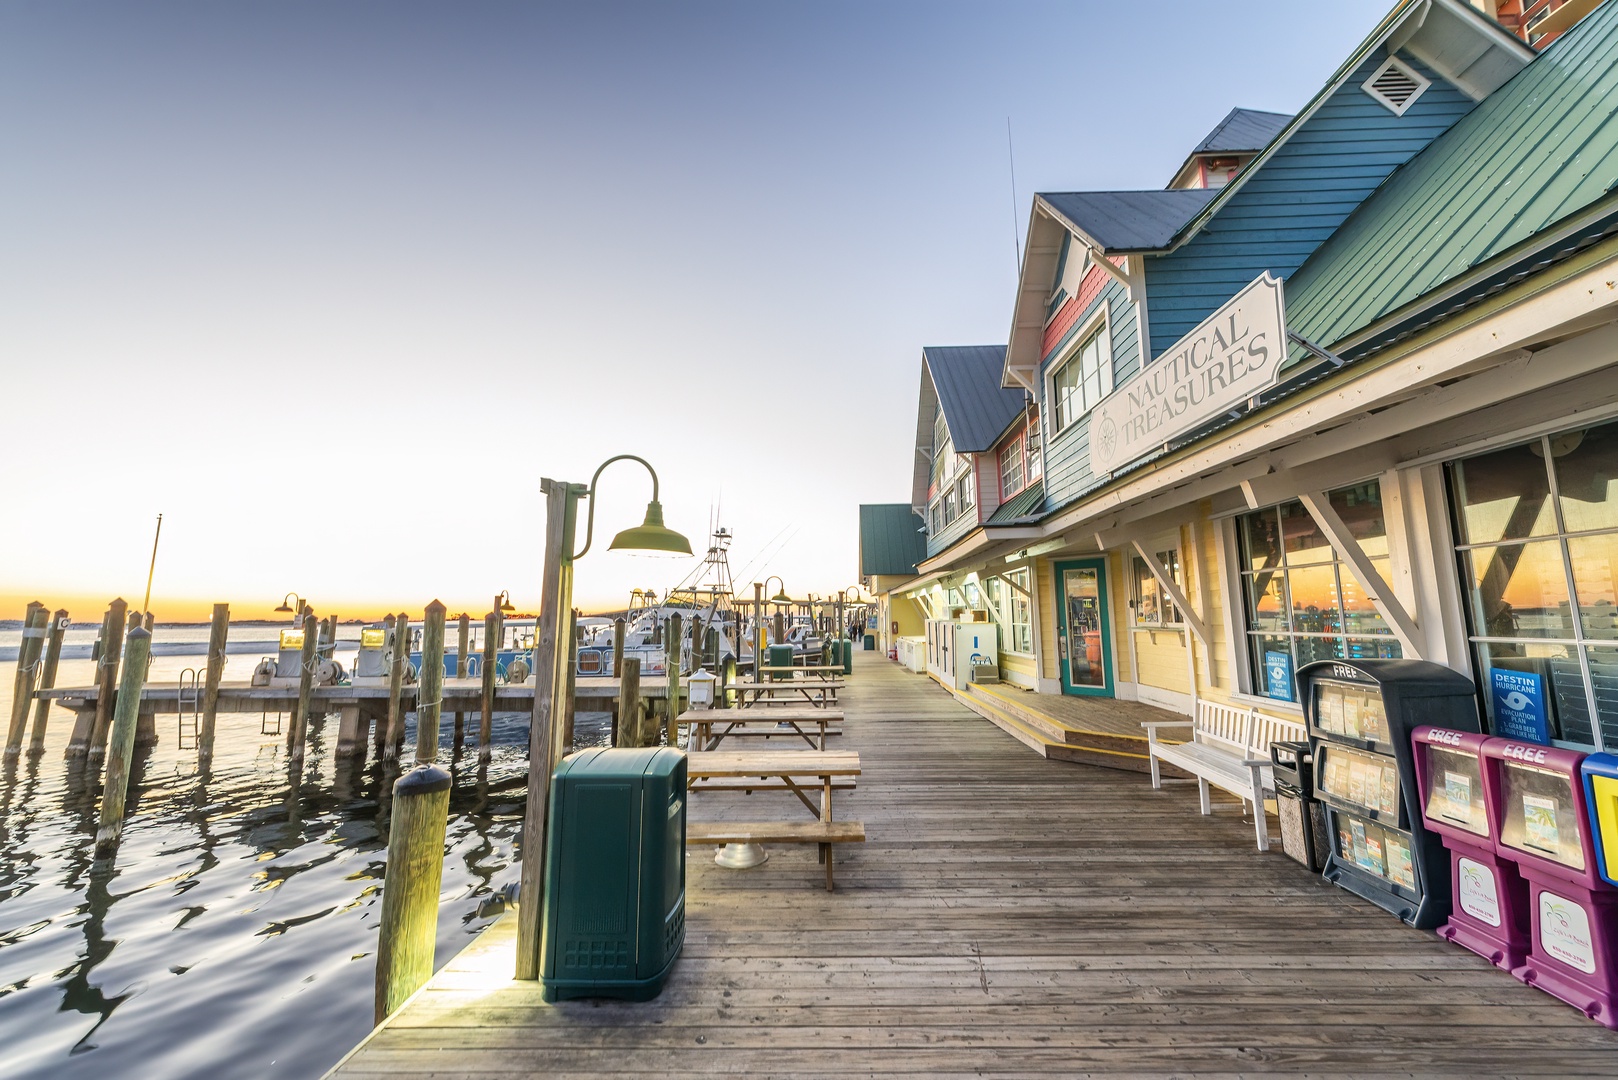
[(1537, 797), (1490, 914), (1360, 714)]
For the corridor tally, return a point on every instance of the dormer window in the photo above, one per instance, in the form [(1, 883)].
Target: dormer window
[(1082, 379)]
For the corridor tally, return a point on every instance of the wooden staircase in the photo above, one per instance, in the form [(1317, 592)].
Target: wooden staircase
[(1009, 709)]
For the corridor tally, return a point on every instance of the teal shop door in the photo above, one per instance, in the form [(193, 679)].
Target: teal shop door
[(1084, 644)]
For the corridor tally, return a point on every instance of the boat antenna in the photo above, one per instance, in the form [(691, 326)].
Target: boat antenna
[(146, 604), (1011, 160)]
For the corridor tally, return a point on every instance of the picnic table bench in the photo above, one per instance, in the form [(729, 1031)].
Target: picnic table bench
[(785, 721), (820, 671), (798, 771), (819, 692)]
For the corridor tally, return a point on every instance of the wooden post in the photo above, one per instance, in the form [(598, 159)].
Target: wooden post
[(121, 743), (401, 661), (780, 626), (415, 871), (299, 730), (696, 642), (146, 622), (672, 665), (619, 630), (491, 645), (629, 732), (727, 675), (710, 647), (430, 688), (550, 685), (564, 733), (464, 626), (107, 677), (218, 634), (47, 678), (33, 642)]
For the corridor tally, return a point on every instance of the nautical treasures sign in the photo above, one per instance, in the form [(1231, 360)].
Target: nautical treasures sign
[(1235, 353)]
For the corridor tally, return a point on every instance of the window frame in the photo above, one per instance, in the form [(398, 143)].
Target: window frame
[(1097, 328), (1171, 618), (1248, 630), (1017, 449), (1019, 601), (1580, 641)]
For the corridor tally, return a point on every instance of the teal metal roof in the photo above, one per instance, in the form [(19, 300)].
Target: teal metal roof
[(1024, 504), (892, 539), (1540, 151)]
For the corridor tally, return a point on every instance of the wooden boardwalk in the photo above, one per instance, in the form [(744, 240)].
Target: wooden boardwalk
[(1009, 916)]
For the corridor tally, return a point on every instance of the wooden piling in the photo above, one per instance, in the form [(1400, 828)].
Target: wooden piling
[(619, 630), (146, 622), (33, 641), (112, 651), (564, 730), (121, 742), (491, 645), (630, 730), (298, 732), (464, 627), (727, 676), (415, 871), (672, 664), (401, 661), (218, 633), (47, 678), (430, 688)]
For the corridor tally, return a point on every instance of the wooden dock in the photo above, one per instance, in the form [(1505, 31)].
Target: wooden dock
[(1007, 916)]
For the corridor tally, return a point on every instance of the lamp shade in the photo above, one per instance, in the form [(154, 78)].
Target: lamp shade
[(284, 609), (651, 535), (781, 598)]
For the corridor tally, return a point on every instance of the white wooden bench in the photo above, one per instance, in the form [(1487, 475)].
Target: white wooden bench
[(1229, 749)]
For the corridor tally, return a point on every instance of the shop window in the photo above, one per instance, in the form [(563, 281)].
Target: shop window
[(1150, 602), (1011, 471), (1538, 547), (1076, 386), (1019, 613), (1301, 602), (1036, 460)]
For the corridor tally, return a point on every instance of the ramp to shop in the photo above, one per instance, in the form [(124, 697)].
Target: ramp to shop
[(1091, 730), (1007, 916)]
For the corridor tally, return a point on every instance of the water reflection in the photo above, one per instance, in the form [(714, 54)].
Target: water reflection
[(234, 932)]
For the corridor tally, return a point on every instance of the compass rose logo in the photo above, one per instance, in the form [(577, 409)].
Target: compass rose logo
[(1107, 439)]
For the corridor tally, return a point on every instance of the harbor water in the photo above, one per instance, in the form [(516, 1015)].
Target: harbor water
[(234, 934)]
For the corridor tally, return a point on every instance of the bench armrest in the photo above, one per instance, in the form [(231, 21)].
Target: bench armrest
[(1153, 725)]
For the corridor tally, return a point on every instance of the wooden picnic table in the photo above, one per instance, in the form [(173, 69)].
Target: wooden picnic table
[(792, 768), (818, 692), (736, 722), (822, 671)]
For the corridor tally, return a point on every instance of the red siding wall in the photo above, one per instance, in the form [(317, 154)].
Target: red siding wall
[(1075, 306)]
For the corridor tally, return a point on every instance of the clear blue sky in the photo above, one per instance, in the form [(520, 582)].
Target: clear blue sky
[(333, 285)]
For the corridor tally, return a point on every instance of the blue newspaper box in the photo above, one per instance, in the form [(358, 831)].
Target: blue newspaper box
[(614, 917)]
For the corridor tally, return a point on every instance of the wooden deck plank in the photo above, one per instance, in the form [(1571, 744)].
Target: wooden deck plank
[(1014, 916)]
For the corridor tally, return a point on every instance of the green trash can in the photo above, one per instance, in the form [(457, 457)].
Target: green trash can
[(848, 656), (780, 656), (614, 917), (870, 643), (836, 652)]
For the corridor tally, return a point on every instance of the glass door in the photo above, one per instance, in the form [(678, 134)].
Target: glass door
[(1084, 645)]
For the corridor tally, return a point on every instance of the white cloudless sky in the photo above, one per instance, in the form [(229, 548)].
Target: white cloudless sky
[(333, 286)]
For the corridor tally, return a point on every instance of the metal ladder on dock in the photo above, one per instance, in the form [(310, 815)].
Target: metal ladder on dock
[(189, 706)]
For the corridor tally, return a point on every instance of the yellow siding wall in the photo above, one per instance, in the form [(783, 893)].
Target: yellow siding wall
[(1045, 586), (1162, 662), (1118, 601), (1021, 665)]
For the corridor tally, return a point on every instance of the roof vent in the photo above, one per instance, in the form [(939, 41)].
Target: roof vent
[(1396, 86)]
